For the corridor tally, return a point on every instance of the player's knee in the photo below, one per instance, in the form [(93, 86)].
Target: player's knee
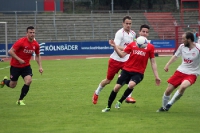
[(131, 84), (28, 82), (12, 85)]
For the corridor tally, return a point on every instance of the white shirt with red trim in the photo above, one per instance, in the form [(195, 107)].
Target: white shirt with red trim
[(190, 59), (122, 38)]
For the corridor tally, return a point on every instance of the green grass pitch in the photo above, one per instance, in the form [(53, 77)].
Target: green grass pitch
[(60, 101)]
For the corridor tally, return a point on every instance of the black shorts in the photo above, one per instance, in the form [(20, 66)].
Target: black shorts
[(126, 76), (15, 72)]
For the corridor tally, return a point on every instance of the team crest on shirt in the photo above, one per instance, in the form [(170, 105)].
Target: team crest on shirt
[(193, 54), (33, 47)]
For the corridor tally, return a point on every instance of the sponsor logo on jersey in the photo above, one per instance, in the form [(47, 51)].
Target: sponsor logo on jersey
[(138, 52), (193, 54), (28, 51), (188, 61)]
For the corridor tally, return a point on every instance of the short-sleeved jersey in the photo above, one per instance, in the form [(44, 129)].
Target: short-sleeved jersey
[(122, 38), (24, 50), (138, 59), (190, 59)]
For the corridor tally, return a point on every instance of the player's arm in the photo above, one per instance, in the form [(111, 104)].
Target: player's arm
[(38, 60), (12, 53), (118, 51), (155, 71), (120, 47), (173, 59)]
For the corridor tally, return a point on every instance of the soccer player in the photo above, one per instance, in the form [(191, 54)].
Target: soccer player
[(123, 37), (21, 53), (186, 74), (133, 71)]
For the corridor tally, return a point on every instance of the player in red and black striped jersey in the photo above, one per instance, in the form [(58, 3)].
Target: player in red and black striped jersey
[(21, 53)]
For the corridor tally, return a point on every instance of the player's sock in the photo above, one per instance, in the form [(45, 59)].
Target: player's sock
[(98, 89), (24, 91), (165, 100), (175, 97), (111, 98), (7, 82), (130, 95), (125, 95)]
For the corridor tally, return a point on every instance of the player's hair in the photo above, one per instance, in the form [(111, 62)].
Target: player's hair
[(189, 35), (126, 17), (30, 27), (144, 26)]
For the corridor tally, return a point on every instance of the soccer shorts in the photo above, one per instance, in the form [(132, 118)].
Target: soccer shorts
[(178, 77), (113, 68), (15, 72), (126, 76)]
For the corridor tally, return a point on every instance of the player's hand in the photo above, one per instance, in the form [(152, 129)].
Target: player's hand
[(158, 81), (41, 70), (166, 68), (21, 61), (111, 42)]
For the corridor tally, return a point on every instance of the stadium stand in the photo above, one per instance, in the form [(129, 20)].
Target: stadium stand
[(52, 27)]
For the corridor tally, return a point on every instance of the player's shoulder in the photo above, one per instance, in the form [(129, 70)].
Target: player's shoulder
[(22, 39), (150, 45), (120, 31), (197, 46), (132, 32)]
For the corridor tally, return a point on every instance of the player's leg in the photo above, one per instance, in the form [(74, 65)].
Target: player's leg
[(14, 75), (27, 76), (189, 80), (173, 82), (166, 97), (135, 78), (113, 68), (121, 79)]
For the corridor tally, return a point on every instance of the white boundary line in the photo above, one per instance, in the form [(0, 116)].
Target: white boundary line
[(4, 67), (96, 57)]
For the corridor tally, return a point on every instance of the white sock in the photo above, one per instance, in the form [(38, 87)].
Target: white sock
[(165, 100), (130, 95), (175, 97), (99, 88)]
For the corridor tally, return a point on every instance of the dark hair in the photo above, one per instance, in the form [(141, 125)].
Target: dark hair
[(189, 35), (126, 17), (144, 26), (30, 27)]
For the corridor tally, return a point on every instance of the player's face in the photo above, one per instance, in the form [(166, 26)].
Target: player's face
[(127, 25), (31, 34), (144, 32), (185, 41)]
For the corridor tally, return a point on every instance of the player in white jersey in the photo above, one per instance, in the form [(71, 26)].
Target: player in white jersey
[(186, 74), (123, 37)]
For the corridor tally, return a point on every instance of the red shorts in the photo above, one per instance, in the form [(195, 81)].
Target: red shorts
[(113, 68), (179, 77)]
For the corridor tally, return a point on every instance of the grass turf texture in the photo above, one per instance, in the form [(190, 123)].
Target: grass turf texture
[(60, 101)]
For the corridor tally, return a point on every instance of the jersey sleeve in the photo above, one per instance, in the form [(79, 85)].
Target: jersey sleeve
[(118, 38), (178, 51), (128, 48), (17, 45)]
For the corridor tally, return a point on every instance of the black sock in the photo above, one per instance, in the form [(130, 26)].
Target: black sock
[(7, 82), (24, 91), (125, 95), (111, 98)]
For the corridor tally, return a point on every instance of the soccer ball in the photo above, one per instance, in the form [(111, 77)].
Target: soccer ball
[(141, 42)]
